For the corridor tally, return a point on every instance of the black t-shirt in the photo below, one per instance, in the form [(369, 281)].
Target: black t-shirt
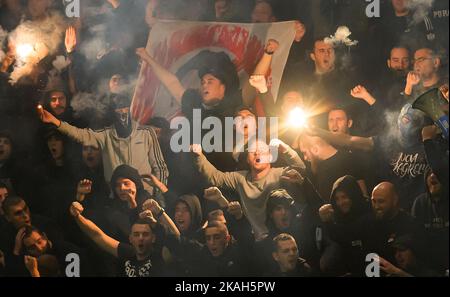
[(130, 266), (328, 171), (403, 166), (439, 17), (406, 31), (191, 100), (378, 235)]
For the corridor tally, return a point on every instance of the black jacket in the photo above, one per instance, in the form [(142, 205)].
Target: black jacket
[(120, 217), (301, 270), (346, 228), (432, 214), (202, 264), (378, 235)]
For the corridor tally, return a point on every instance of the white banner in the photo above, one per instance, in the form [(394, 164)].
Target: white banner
[(176, 45)]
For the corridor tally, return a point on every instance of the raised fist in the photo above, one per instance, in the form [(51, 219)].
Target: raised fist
[(84, 187), (300, 31), (196, 149), (152, 205), (76, 209), (235, 209), (272, 46), (326, 213), (292, 176), (280, 145), (31, 263), (259, 82), (359, 92), (212, 194)]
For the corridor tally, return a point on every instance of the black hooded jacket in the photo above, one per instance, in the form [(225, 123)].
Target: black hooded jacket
[(120, 216), (433, 215), (346, 228), (195, 209)]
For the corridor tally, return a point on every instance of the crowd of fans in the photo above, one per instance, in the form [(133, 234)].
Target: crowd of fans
[(367, 175)]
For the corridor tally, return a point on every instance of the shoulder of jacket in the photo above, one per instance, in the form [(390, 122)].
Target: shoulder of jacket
[(145, 127), (104, 129)]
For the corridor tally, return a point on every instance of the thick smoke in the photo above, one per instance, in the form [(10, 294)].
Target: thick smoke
[(341, 37), (41, 38), (391, 131), (127, 87), (93, 47), (420, 9), (60, 63), (342, 43), (94, 106)]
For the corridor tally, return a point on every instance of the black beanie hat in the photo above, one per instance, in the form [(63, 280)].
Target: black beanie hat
[(221, 67), (120, 100), (125, 171), (278, 197)]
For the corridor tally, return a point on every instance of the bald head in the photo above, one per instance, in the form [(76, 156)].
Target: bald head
[(385, 201), (315, 148)]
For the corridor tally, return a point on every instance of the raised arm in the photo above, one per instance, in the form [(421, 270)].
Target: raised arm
[(161, 216), (102, 240), (361, 92), (84, 136), (261, 70), (238, 225), (84, 187), (288, 154), (343, 140), (259, 82), (70, 41), (168, 79), (214, 176), (263, 65)]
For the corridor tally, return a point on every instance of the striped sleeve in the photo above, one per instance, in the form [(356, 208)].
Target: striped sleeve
[(156, 158)]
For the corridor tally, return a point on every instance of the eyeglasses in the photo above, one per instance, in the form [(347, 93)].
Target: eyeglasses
[(420, 60)]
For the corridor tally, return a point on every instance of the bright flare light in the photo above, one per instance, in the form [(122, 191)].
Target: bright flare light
[(297, 118), (24, 50)]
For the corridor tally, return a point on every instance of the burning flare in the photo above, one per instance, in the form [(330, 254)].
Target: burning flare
[(24, 50), (297, 118)]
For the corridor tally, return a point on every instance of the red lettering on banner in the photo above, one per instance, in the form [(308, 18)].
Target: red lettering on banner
[(246, 51)]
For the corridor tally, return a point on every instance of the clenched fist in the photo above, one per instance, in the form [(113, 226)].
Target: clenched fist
[(212, 194), (292, 176), (153, 206), (235, 209), (76, 209), (196, 149), (84, 187), (272, 46), (300, 31), (326, 213), (259, 82)]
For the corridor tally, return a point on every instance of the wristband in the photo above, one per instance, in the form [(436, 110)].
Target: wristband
[(161, 212)]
